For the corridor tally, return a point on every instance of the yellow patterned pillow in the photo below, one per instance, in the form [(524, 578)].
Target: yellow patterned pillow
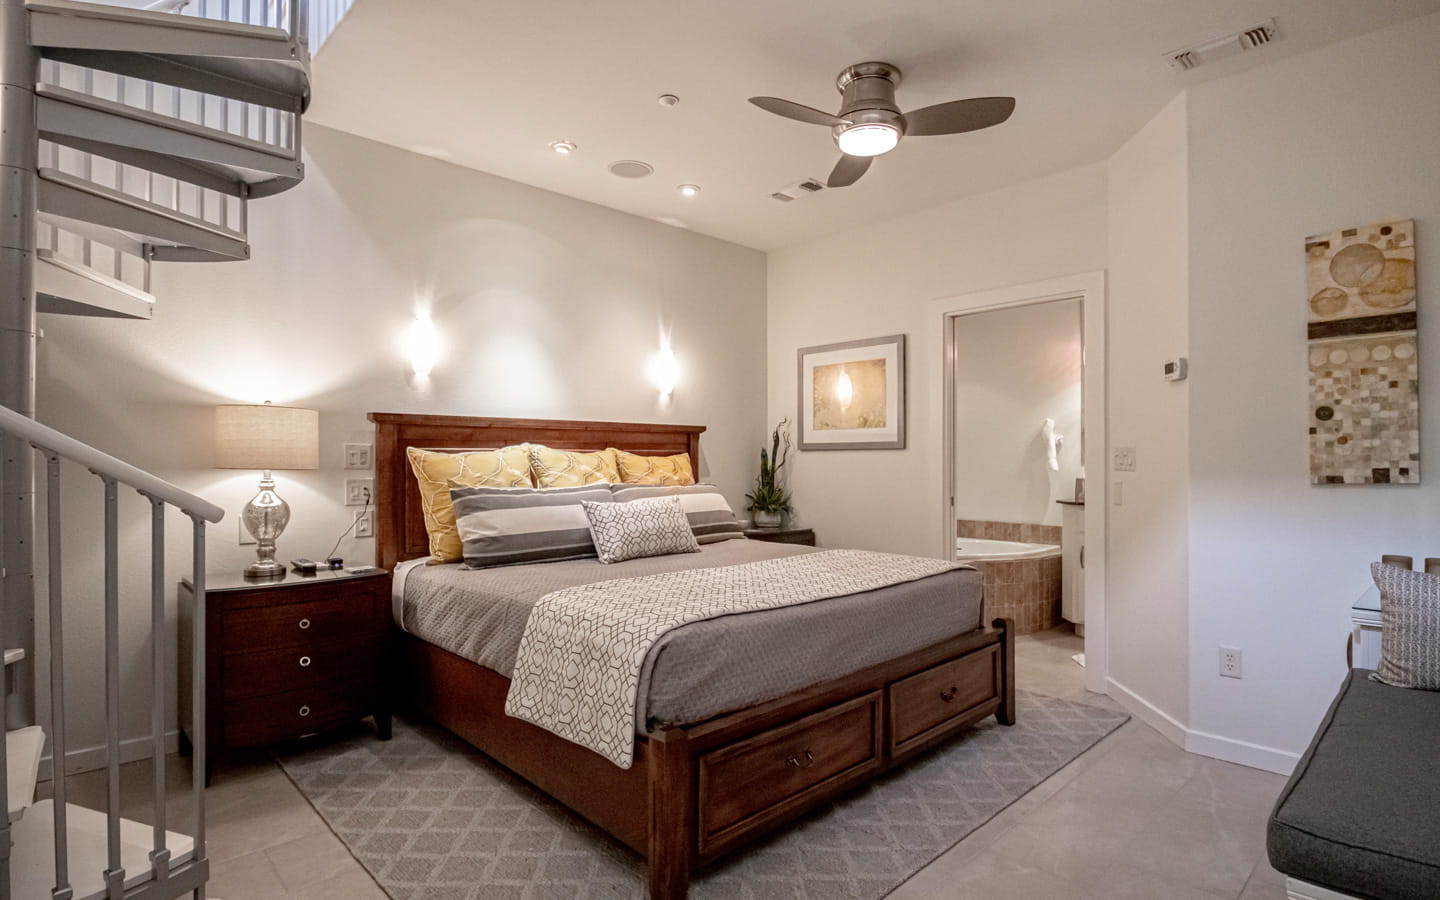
[(437, 471), (637, 469), (571, 468)]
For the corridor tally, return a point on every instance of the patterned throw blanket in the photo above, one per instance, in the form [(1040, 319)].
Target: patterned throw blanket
[(578, 670)]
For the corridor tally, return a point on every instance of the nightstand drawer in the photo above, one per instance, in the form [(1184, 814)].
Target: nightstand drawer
[(272, 671), (302, 624), (293, 714)]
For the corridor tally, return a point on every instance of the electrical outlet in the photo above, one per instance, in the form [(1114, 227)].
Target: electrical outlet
[(357, 456), (1124, 459), (365, 524), (359, 491), (246, 539), (1230, 662)]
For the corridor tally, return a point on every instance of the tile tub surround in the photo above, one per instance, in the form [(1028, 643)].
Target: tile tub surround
[(1025, 590), (1007, 531)]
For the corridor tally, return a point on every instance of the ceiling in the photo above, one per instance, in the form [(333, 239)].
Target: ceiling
[(489, 84)]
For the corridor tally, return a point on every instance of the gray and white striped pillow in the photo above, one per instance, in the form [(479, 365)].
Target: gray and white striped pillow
[(1410, 627), (508, 526), (709, 514)]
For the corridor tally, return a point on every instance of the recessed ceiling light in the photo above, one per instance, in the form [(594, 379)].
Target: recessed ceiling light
[(631, 168), (563, 147), (667, 99), (689, 190)]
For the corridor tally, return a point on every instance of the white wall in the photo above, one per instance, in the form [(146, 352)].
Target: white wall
[(1146, 598), (1343, 136), (549, 307), (1014, 368), (880, 280)]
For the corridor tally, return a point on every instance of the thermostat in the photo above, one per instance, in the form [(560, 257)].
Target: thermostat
[(1176, 369)]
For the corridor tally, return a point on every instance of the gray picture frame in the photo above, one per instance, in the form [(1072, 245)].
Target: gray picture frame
[(805, 408)]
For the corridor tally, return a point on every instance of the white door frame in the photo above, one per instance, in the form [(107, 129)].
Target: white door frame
[(1089, 287)]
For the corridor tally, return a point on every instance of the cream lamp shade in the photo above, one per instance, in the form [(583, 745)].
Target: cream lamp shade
[(266, 437)]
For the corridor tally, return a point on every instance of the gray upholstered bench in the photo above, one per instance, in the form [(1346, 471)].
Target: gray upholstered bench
[(1360, 816)]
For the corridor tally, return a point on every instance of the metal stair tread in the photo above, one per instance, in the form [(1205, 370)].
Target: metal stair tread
[(14, 655), (111, 13), (56, 176), (65, 287), (32, 860), (22, 767), (66, 95)]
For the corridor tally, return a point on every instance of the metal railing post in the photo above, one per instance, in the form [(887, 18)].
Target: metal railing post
[(159, 853), (115, 873), (61, 890), (197, 687)]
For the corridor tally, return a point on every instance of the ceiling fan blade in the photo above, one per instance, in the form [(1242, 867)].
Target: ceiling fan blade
[(797, 111), (959, 116), (848, 171)]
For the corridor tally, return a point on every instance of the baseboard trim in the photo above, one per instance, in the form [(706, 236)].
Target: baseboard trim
[(1215, 746), (1147, 712), (1256, 756), (88, 759)]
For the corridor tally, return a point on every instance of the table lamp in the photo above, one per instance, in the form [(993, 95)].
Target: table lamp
[(266, 437)]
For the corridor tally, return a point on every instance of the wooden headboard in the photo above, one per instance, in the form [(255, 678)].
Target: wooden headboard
[(399, 523)]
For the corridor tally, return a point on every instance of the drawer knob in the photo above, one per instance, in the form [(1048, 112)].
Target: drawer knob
[(795, 762), (304, 661), (948, 696), (304, 624), (304, 711)]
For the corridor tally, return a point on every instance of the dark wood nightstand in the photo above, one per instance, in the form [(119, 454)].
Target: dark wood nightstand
[(782, 535), (287, 658)]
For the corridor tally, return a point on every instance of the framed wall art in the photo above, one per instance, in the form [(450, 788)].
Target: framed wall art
[(1364, 359), (852, 395)]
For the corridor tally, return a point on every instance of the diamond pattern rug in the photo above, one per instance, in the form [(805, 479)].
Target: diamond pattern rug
[(433, 819)]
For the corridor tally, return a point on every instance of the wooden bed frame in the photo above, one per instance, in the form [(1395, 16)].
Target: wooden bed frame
[(698, 792)]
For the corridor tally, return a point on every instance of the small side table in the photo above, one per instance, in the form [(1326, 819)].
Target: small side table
[(1365, 630), (287, 658), (804, 536)]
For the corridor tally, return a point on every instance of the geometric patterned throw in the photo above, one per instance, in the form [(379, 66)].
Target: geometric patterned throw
[(433, 819)]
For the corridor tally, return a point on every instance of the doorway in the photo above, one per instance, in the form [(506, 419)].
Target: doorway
[(1023, 412)]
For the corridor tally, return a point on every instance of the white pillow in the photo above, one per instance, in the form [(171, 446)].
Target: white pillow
[(655, 527)]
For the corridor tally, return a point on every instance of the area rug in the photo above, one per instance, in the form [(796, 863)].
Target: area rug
[(433, 819)]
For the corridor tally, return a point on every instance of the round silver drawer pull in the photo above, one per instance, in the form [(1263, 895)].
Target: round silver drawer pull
[(304, 711), (304, 661), (304, 623)]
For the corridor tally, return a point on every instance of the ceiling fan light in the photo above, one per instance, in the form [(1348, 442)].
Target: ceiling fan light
[(870, 139)]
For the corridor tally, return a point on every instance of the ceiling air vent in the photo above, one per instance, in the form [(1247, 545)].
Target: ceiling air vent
[(799, 189), (1252, 37)]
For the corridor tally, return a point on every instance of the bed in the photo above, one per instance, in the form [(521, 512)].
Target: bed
[(696, 789)]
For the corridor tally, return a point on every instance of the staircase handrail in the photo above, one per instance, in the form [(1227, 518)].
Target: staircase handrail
[(106, 466)]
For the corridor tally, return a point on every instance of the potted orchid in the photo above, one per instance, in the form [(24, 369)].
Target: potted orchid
[(769, 501)]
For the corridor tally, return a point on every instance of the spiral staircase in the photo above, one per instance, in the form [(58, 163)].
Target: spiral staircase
[(129, 135)]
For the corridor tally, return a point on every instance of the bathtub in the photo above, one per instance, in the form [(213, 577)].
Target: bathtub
[(967, 549)]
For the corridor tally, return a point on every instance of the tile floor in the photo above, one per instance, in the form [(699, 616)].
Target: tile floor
[(1135, 817)]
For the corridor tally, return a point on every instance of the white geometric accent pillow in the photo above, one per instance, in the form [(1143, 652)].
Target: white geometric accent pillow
[(1410, 627), (624, 531)]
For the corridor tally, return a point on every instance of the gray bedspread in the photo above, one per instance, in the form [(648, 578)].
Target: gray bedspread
[(706, 668)]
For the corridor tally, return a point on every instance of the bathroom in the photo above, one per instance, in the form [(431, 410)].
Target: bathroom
[(1018, 457)]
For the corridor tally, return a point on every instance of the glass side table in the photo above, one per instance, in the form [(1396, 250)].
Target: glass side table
[(1365, 630)]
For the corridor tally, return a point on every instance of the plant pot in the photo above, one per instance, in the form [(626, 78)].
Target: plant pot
[(763, 519)]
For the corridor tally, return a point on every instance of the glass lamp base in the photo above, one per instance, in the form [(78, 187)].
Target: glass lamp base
[(265, 517), (268, 568)]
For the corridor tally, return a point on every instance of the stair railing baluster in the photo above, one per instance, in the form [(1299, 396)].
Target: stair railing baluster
[(115, 874), (159, 854), (197, 687), (61, 890)]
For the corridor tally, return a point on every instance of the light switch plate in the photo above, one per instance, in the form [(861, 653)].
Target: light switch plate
[(359, 456), (1124, 459), (365, 524)]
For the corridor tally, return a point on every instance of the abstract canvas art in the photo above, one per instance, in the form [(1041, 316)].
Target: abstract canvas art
[(852, 395), (1364, 359)]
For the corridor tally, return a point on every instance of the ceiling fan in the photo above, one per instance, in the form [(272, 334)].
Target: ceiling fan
[(869, 123)]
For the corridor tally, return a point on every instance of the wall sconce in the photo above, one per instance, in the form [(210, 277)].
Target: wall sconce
[(422, 345), (665, 370)]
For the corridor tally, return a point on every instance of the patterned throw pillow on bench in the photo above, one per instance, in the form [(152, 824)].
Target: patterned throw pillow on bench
[(1410, 627)]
